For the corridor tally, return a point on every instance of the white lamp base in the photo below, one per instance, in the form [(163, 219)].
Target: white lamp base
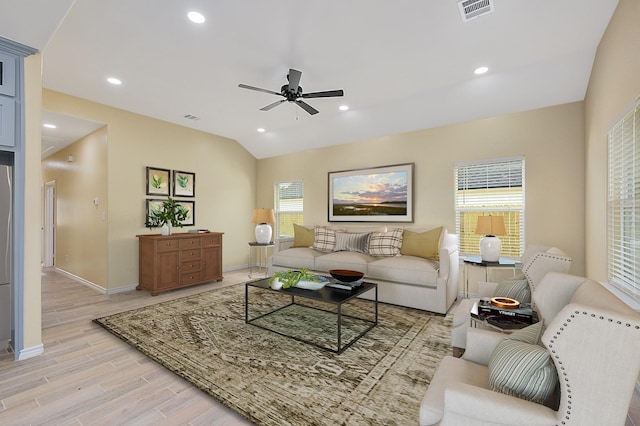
[(263, 233), (490, 247)]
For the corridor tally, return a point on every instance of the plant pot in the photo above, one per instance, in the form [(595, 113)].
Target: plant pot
[(166, 229)]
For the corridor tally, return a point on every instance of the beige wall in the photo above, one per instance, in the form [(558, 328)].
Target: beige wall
[(613, 88), (551, 140), (32, 206), (225, 181), (81, 226)]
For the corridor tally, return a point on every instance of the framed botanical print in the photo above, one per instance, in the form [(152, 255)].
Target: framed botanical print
[(158, 181), (184, 184)]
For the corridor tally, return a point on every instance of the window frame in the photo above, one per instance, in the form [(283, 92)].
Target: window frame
[(278, 204), (468, 198)]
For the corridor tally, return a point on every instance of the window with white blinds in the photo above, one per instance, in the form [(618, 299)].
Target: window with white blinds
[(623, 204), (492, 187), (288, 210)]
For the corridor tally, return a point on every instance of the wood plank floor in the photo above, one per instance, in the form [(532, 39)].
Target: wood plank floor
[(89, 377)]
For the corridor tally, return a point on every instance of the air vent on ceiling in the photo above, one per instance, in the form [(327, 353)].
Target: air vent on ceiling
[(191, 117), (471, 9)]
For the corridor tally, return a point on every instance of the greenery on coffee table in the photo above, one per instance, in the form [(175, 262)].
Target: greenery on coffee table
[(291, 278)]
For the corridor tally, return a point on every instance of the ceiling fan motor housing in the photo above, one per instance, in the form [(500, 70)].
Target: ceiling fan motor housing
[(289, 94)]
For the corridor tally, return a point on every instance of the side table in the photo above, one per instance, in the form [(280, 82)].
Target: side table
[(477, 262), (259, 261)]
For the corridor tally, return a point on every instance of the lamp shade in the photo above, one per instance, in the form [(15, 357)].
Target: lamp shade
[(491, 225), (263, 216)]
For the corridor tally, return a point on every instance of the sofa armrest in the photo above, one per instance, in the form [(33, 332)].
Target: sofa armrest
[(448, 254), (480, 345), (283, 244), (481, 406)]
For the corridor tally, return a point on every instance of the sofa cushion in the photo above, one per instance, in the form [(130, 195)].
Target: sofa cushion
[(324, 239), (344, 260), (405, 269), (422, 244), (385, 243), (522, 370), (303, 236), (529, 334), (515, 289), (350, 241), (296, 258)]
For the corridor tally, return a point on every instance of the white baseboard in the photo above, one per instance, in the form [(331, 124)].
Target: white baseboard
[(31, 352), (82, 280), (122, 289)]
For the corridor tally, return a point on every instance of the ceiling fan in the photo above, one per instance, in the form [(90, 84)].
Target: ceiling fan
[(292, 92)]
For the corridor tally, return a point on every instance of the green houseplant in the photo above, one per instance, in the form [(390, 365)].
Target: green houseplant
[(171, 214), (291, 278)]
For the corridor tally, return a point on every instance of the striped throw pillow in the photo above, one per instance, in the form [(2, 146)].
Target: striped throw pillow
[(522, 370), (385, 243), (351, 241), (515, 289)]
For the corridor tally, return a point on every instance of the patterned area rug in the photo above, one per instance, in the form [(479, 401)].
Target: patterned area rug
[(275, 380)]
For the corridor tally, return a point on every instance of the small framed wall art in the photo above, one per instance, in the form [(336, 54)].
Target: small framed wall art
[(158, 181), (184, 184), (190, 207)]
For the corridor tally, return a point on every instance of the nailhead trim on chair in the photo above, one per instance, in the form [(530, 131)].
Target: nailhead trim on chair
[(562, 369)]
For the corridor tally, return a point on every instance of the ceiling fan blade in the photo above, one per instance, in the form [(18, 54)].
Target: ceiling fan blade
[(273, 105), (326, 94), (294, 79), (305, 106), (244, 86)]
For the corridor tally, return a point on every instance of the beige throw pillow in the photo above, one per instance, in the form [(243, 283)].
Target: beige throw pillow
[(303, 237), (423, 244)]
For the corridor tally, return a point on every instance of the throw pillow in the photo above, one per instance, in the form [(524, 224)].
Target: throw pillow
[(324, 239), (303, 237), (385, 243), (515, 289), (529, 334), (348, 241), (522, 370), (423, 244)]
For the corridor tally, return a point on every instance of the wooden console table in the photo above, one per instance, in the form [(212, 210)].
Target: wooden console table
[(168, 262)]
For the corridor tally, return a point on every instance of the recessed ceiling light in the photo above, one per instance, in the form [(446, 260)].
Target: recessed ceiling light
[(196, 17), (49, 125), (261, 130), (343, 107), (481, 70), (114, 80)]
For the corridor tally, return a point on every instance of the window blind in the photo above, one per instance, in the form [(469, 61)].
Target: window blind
[(492, 187), (623, 204), (288, 207)]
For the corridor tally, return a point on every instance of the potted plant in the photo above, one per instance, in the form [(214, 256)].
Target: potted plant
[(171, 214), (286, 279)]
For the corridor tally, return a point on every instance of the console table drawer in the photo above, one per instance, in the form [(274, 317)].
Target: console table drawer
[(168, 245), (191, 278), (189, 243), (188, 267)]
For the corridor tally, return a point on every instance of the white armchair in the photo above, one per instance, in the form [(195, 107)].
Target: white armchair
[(537, 261), (591, 336)]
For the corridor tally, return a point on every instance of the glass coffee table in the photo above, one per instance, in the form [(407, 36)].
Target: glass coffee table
[(310, 316)]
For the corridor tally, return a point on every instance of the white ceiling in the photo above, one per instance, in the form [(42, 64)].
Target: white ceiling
[(403, 65)]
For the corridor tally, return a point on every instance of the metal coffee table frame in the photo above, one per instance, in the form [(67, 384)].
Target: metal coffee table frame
[(328, 295)]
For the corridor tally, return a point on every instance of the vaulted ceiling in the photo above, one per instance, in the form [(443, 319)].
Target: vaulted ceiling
[(403, 66)]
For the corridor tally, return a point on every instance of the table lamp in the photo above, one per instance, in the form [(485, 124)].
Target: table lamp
[(263, 217), (490, 245)]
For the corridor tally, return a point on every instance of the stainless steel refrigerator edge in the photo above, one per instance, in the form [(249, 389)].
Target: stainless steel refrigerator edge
[(6, 276)]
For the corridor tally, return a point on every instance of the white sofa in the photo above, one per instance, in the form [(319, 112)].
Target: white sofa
[(411, 281), (592, 339)]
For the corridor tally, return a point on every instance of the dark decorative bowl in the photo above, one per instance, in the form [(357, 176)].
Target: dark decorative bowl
[(345, 275)]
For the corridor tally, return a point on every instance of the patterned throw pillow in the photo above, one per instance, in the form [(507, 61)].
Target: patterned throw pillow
[(515, 289), (422, 244), (522, 370), (325, 239), (351, 241), (385, 243), (303, 237), (530, 334)]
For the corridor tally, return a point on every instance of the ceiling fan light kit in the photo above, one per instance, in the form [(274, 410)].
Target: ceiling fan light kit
[(292, 92)]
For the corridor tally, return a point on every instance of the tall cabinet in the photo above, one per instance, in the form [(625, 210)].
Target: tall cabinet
[(168, 262)]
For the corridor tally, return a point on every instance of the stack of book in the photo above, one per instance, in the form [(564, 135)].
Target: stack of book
[(333, 283), (523, 314)]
